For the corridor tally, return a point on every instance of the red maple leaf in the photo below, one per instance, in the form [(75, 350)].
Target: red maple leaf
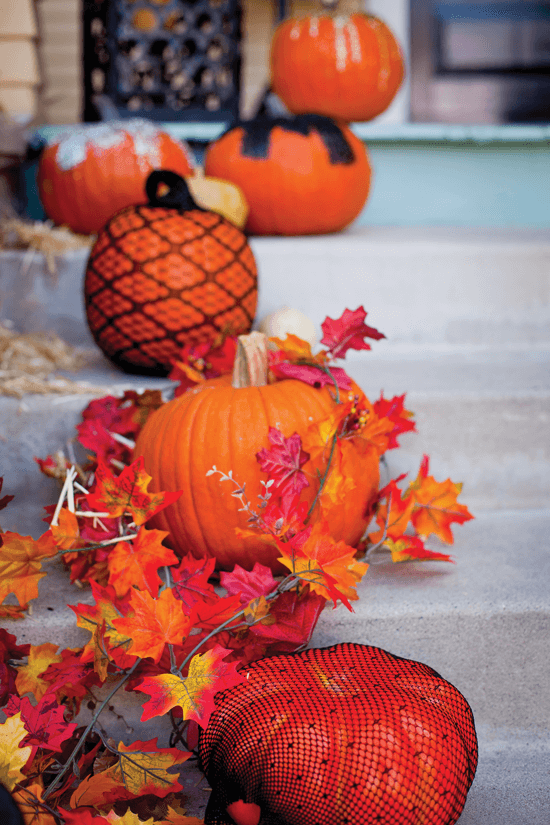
[(394, 409), (44, 722), (283, 462), (293, 616), (249, 584), (70, 679), (348, 332), (5, 500), (190, 581), (127, 493), (9, 649), (314, 376), (198, 362), (209, 615)]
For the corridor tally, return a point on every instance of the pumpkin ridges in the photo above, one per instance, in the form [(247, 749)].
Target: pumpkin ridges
[(228, 418), (305, 72)]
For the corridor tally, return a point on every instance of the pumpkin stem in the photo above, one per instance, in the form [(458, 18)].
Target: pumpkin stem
[(250, 368), (168, 189)]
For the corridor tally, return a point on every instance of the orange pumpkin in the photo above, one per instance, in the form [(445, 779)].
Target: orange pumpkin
[(345, 67), (164, 275), (344, 734), (304, 175), (92, 171), (224, 422)]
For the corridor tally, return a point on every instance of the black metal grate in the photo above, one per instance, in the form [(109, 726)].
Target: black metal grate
[(163, 59)]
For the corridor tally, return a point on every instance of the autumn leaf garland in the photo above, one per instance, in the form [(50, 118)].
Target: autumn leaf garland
[(157, 624)]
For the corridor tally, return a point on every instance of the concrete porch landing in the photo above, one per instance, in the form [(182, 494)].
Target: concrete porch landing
[(467, 315)]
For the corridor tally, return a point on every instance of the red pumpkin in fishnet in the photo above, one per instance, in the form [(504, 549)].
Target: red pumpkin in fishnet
[(166, 274), (345, 735)]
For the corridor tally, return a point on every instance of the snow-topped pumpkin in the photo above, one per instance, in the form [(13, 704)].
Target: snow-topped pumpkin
[(91, 171)]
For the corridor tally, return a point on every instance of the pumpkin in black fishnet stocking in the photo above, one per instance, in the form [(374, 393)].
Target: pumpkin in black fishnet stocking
[(348, 734), (165, 275)]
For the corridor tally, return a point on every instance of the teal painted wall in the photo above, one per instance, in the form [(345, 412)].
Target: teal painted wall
[(497, 185)]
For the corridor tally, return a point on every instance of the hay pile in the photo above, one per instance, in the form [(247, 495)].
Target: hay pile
[(41, 237), (28, 364)]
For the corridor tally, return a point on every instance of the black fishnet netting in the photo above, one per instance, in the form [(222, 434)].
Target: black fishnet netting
[(345, 734)]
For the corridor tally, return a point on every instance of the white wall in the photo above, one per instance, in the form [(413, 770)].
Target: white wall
[(396, 14)]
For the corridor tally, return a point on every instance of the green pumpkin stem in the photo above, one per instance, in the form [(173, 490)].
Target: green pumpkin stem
[(250, 368)]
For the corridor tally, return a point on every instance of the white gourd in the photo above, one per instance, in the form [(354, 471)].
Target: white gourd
[(288, 320)]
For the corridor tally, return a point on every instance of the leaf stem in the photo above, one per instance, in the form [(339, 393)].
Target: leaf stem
[(324, 478), (82, 739)]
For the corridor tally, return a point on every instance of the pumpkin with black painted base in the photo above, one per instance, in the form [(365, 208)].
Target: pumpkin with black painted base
[(303, 175)]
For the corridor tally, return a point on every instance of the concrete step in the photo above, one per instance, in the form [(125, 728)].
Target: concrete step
[(481, 414), (482, 623), (419, 285)]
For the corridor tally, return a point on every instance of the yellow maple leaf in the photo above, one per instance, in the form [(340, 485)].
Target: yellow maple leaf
[(21, 564), (28, 677), (12, 757), (129, 818), (141, 768)]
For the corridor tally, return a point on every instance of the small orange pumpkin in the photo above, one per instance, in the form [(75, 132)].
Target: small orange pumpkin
[(302, 175), (164, 275), (225, 422), (345, 67), (92, 171)]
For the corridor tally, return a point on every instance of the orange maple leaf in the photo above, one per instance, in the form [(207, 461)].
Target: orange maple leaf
[(66, 534), (28, 676), (194, 694), (127, 493), (155, 623), (12, 611), (173, 818), (107, 642), (296, 349), (33, 809), (435, 505), (21, 564), (411, 548), (141, 768), (135, 563), (393, 523), (329, 566)]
